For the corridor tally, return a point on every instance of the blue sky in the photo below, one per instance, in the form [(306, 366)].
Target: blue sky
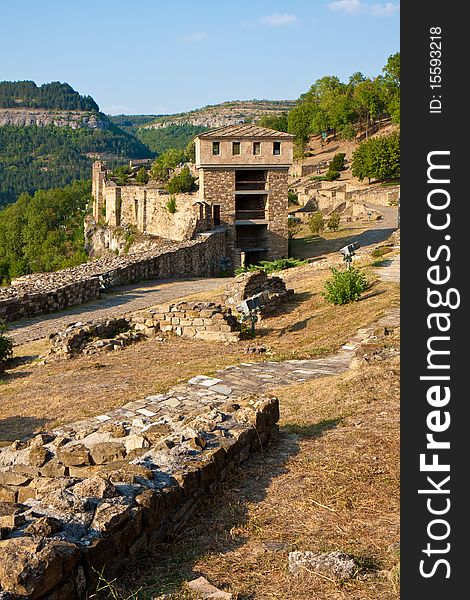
[(160, 56)]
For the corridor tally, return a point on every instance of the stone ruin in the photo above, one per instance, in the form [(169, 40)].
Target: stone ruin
[(91, 497), (251, 283), (199, 320)]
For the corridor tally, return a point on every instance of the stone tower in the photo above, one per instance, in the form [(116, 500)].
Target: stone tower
[(243, 173), (97, 187)]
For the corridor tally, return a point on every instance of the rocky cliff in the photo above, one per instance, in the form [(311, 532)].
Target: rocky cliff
[(228, 113), (60, 118)]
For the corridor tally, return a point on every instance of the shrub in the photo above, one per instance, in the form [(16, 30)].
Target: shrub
[(345, 286), (271, 266), (333, 221), (292, 197), (332, 175), (337, 162), (316, 222), (6, 347), (171, 205), (142, 176), (183, 182), (293, 228)]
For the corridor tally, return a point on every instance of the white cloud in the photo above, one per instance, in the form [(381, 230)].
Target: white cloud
[(355, 7), (197, 36), (278, 19)]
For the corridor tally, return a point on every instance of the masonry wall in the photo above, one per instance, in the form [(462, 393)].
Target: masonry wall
[(218, 186), (48, 292), (277, 211), (246, 157)]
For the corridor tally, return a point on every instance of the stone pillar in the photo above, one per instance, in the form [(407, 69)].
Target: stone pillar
[(97, 187)]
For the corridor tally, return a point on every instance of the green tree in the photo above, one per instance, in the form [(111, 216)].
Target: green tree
[(333, 221), (277, 122), (377, 158), (142, 176), (183, 182), (316, 222)]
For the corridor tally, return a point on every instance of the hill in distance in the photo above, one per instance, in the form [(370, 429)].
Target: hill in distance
[(161, 132), (50, 135)]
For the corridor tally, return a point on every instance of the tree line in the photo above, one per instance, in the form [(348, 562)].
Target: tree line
[(44, 231), (344, 108), (54, 95)]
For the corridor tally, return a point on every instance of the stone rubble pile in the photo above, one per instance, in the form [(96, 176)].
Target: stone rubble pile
[(98, 336)]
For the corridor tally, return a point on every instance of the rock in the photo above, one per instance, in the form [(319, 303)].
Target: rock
[(110, 516), (104, 452), (11, 514), (204, 589), (156, 432), (64, 501), (95, 487), (130, 473), (136, 442), (53, 468), (31, 567), (331, 564), (73, 454), (38, 455), (7, 494), (11, 478), (44, 526), (116, 430), (40, 439)]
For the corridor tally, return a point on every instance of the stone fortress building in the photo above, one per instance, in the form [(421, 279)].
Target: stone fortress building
[(243, 180), (243, 173)]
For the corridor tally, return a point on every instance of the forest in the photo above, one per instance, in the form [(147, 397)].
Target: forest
[(54, 95)]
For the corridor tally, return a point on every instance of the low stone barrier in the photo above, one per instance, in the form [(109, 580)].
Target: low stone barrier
[(90, 497), (48, 292), (200, 320)]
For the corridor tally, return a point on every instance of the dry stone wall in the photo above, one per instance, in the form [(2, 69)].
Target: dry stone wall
[(92, 496), (48, 292), (200, 320)]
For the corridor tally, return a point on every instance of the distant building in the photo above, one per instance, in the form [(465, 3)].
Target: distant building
[(243, 173)]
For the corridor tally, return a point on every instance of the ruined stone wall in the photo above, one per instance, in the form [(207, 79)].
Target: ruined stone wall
[(277, 210), (48, 292), (200, 320), (92, 496), (251, 283)]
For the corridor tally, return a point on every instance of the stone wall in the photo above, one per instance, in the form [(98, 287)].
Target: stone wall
[(200, 320), (91, 497), (48, 292), (277, 210)]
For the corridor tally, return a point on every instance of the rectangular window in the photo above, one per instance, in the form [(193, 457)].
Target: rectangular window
[(276, 148), (215, 148), (235, 148), (256, 148)]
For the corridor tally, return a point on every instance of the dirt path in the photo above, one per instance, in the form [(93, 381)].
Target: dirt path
[(120, 301)]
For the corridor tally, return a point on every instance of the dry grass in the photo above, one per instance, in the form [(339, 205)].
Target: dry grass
[(330, 482), (35, 396)]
